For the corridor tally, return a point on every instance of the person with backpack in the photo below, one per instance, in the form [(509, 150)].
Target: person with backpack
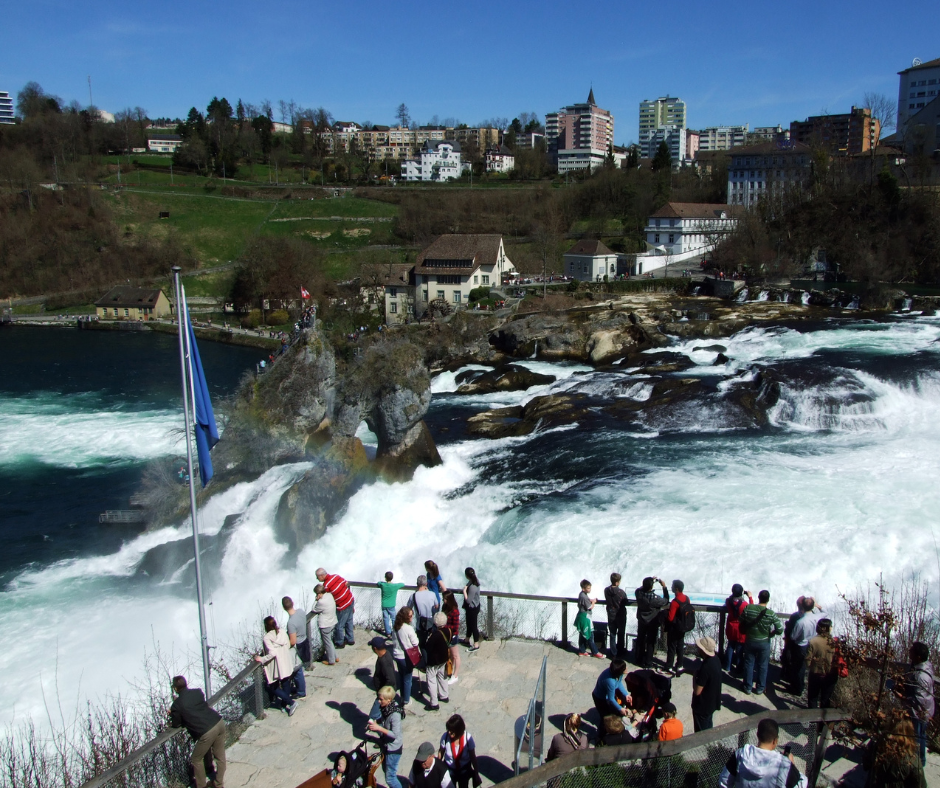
[(735, 605), (648, 609), (758, 624), (424, 604), (616, 603), (679, 620), (823, 674)]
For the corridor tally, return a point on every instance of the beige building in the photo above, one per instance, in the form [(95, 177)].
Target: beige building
[(399, 285), (132, 303)]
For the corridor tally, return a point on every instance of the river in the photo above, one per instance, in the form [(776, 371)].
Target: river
[(837, 490)]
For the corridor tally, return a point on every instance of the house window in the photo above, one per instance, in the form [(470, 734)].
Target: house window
[(127, 313), (486, 279), (475, 278), (656, 238), (456, 296), (392, 292), (440, 293), (393, 307), (672, 238), (115, 312), (425, 295)]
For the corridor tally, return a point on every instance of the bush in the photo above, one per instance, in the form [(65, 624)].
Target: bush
[(253, 320), (278, 317), (479, 293)]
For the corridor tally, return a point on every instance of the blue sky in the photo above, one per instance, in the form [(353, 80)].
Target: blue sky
[(733, 62)]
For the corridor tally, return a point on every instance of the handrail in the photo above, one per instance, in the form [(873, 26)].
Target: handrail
[(662, 749)]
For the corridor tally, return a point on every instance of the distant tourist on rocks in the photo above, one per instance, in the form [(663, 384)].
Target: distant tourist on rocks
[(471, 605), (919, 694), (325, 609), (672, 727), (390, 736), (819, 658), (406, 651), (383, 674), (616, 602), (437, 648), (459, 752), (569, 740), (734, 605), (584, 624), (344, 633), (761, 766), (452, 611), (679, 620), (189, 710), (706, 686), (758, 624), (297, 634), (648, 609), (435, 583), (425, 605), (278, 665), (610, 694), (802, 631), (429, 771), (389, 601)]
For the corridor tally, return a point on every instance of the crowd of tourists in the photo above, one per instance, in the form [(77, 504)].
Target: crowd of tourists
[(424, 635)]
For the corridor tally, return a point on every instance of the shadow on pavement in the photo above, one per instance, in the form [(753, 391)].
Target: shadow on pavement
[(492, 769)]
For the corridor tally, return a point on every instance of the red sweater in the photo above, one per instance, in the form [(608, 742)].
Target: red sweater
[(340, 590), (678, 599)]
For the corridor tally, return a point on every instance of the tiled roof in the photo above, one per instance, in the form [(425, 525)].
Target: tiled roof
[(695, 210), (398, 275), (458, 254), (591, 247), (127, 296)]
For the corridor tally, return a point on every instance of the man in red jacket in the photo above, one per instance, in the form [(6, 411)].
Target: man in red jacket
[(343, 635), (675, 635)]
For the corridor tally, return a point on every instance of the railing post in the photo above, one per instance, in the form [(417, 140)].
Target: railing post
[(822, 737), (564, 623), (490, 629), (259, 694)]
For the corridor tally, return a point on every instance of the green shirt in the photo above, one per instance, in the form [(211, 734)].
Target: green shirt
[(760, 623), (389, 592)]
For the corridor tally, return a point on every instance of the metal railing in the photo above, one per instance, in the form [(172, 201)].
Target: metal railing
[(533, 730)]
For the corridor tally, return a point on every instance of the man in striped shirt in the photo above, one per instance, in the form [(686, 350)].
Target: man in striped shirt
[(343, 635)]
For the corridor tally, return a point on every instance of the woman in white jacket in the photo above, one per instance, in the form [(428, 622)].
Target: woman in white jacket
[(405, 638), (278, 663)]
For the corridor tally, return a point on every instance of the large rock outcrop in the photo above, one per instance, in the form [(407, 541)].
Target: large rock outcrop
[(510, 377)]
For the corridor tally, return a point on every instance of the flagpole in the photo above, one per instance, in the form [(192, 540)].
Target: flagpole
[(186, 370)]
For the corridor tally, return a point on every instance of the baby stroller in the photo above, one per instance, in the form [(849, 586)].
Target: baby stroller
[(649, 691), (358, 768)]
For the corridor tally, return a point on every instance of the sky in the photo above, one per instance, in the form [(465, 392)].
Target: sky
[(732, 63)]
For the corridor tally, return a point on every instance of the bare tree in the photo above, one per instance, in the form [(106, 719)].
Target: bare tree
[(401, 113), (883, 108)]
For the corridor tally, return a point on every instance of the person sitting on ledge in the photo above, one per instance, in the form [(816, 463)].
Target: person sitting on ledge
[(569, 740)]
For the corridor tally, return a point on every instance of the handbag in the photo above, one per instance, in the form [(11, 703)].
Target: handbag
[(414, 656), (449, 667)]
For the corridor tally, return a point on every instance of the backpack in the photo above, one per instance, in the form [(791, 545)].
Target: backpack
[(685, 617), (840, 668)]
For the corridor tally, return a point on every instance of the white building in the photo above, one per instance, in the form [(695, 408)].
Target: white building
[(674, 136), (590, 261), (164, 143), (6, 107), (654, 115), (440, 161), (453, 265), (500, 160), (918, 87), (722, 137), (766, 168), (685, 229)]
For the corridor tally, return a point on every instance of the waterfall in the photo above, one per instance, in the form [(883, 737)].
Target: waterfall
[(742, 296), (906, 304), (696, 290), (785, 298), (535, 352), (805, 298), (764, 295), (853, 304)]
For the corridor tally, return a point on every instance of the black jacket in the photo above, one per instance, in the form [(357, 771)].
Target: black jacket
[(384, 673), (191, 711), (648, 604), (437, 648), (434, 778)]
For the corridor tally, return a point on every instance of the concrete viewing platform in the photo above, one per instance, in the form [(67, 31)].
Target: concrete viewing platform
[(493, 692)]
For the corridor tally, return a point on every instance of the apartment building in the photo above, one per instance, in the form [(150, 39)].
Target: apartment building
[(917, 88), (757, 171), (767, 134), (722, 137), (164, 143), (657, 114), (675, 138), (853, 132), (6, 107), (438, 161), (684, 228), (398, 142), (500, 160), (580, 136)]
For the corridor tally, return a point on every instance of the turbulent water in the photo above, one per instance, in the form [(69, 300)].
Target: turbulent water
[(838, 489)]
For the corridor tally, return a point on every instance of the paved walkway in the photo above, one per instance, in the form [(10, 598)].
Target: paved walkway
[(494, 689)]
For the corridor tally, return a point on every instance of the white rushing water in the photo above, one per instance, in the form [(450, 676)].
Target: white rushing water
[(839, 490)]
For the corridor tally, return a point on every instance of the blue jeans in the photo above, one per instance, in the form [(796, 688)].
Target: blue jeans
[(391, 769), (343, 633), (388, 619), (300, 683), (920, 731), (280, 698), (405, 670), (587, 644), (756, 651), (733, 656)]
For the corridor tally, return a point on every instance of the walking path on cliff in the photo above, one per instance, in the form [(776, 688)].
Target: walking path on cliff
[(495, 686)]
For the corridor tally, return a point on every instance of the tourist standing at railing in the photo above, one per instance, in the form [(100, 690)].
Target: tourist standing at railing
[(759, 624), (344, 633), (425, 605), (406, 650), (437, 650), (584, 624), (471, 605), (822, 676), (389, 601), (571, 739), (676, 628), (735, 605), (389, 730), (762, 766), (919, 694), (435, 583), (325, 608), (648, 609), (459, 753), (802, 632), (189, 710), (452, 611), (278, 661), (706, 685), (297, 634), (616, 602)]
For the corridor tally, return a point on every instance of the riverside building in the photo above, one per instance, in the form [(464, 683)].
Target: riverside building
[(6, 107), (758, 171), (580, 136)]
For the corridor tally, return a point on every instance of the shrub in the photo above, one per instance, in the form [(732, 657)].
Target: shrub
[(479, 293), (278, 317), (252, 320)]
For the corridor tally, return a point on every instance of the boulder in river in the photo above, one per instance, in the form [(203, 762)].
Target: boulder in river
[(511, 377)]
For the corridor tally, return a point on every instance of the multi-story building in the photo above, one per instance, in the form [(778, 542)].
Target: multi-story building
[(397, 142), (693, 141), (654, 115), (767, 134), (918, 87), (685, 228), (922, 132), (854, 132), (6, 107), (399, 285), (580, 136), (529, 140), (675, 137), (439, 161), (164, 143), (767, 168), (500, 160), (722, 137)]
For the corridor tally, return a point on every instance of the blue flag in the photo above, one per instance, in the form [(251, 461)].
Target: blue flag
[(207, 433)]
